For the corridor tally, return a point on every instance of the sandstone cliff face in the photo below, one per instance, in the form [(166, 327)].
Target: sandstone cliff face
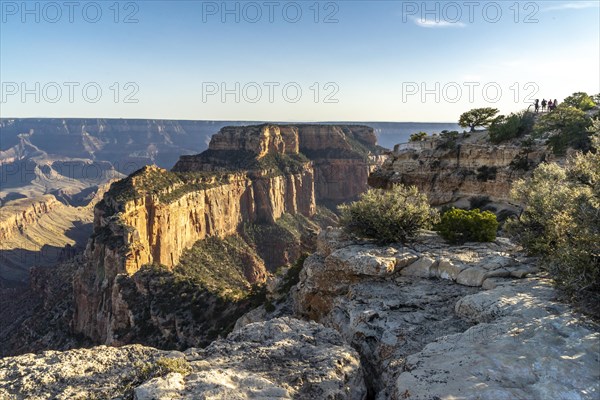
[(159, 231), (465, 170), (343, 158), (150, 230), (260, 139), (248, 175), (337, 152)]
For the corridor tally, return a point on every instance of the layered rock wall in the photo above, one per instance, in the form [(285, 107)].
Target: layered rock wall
[(24, 213), (464, 170), (148, 230)]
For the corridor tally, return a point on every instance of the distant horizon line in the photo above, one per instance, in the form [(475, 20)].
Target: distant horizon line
[(239, 120)]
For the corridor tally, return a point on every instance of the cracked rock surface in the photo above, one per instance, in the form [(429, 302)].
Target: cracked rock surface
[(433, 321), (282, 358)]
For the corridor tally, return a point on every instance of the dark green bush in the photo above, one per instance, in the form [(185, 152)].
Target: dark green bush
[(418, 137), (580, 100), (460, 226), (394, 215), (565, 127), (515, 125), (449, 139), (479, 202)]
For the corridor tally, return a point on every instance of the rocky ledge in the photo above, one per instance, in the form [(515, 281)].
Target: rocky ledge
[(282, 358), (421, 321), (426, 327)]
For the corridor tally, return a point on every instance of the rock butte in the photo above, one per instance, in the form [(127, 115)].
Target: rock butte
[(248, 174)]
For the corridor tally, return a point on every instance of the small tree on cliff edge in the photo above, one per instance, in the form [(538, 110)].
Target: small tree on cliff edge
[(418, 137), (478, 117)]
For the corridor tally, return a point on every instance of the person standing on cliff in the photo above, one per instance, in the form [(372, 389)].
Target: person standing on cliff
[(536, 105), (550, 105), (544, 105), (555, 104)]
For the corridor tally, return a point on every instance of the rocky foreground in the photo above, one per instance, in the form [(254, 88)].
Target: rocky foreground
[(425, 321), (281, 358)]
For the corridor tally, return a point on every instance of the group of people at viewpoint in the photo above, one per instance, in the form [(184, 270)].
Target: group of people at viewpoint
[(546, 105)]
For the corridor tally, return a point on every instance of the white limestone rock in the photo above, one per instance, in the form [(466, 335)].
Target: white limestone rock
[(281, 358), (531, 347)]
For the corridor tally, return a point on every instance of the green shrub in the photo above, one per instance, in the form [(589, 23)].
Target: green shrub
[(449, 139), (580, 100), (394, 215), (566, 127), (418, 137), (163, 366), (515, 125), (460, 226), (561, 219)]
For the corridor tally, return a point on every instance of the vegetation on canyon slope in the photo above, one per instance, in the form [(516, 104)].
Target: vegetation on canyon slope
[(561, 218), (168, 186), (512, 126)]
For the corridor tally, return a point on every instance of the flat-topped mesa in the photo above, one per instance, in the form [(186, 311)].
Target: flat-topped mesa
[(337, 152), (245, 148), (348, 140), (259, 139)]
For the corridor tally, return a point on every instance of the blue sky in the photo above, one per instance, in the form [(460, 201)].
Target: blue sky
[(371, 61)]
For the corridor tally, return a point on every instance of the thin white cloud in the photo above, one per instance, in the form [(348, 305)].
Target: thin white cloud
[(424, 23), (580, 5)]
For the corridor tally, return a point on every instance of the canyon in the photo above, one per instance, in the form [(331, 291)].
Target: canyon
[(228, 275)]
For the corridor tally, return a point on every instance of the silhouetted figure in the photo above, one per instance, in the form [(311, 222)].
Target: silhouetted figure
[(537, 105), (544, 105), (550, 105), (555, 104)]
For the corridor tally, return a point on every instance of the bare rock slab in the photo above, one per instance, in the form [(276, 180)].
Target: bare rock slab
[(527, 346)]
